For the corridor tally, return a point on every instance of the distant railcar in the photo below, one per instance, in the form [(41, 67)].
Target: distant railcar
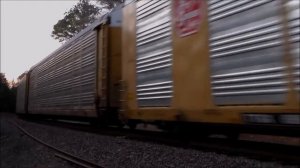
[(229, 66), (81, 77)]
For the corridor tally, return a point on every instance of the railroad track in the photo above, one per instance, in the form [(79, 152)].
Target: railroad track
[(286, 154), (60, 153)]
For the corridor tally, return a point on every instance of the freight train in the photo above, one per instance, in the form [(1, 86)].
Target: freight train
[(212, 66)]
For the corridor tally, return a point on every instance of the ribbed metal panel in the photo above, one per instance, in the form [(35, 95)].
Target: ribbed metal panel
[(294, 39), (246, 47), (67, 80), (154, 53)]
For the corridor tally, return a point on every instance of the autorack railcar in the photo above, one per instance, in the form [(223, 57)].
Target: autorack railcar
[(230, 66), (80, 79)]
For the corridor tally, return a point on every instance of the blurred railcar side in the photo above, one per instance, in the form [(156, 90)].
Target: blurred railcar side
[(218, 63)]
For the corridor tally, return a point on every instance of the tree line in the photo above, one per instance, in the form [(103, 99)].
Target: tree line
[(80, 16), (7, 95)]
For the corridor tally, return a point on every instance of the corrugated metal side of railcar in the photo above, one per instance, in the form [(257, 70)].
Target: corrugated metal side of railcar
[(22, 95), (249, 57), (65, 82), (147, 61), (227, 59), (254, 67)]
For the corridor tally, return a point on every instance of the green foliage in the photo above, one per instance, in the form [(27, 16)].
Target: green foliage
[(79, 17), (76, 19), (7, 95), (109, 4)]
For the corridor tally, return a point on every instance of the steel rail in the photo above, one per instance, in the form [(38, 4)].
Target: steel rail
[(59, 153), (262, 151)]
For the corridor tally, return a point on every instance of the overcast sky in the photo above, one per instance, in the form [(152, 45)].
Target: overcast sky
[(26, 28)]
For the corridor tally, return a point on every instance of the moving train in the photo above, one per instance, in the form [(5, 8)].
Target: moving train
[(209, 65)]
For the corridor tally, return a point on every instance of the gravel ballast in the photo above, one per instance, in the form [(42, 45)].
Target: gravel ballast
[(111, 151), (19, 151)]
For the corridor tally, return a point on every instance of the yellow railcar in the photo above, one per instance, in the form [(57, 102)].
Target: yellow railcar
[(215, 62)]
